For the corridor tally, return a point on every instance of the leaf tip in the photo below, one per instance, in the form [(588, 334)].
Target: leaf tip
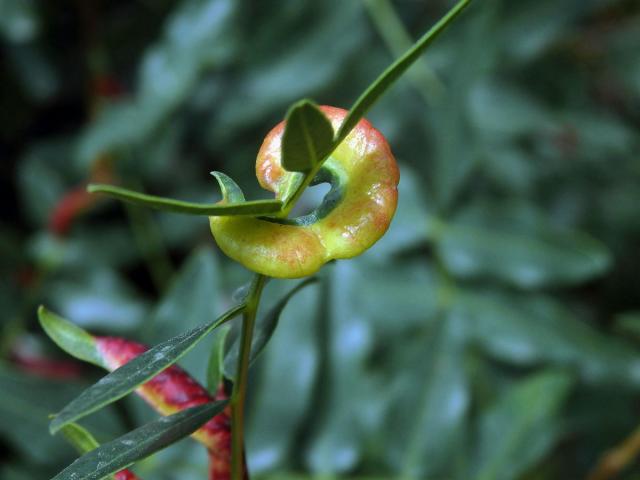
[(46, 318), (231, 192), (54, 425)]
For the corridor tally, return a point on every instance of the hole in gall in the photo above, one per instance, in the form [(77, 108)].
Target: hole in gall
[(310, 200)]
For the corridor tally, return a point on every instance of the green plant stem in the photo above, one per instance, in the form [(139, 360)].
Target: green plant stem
[(239, 394), (398, 41)]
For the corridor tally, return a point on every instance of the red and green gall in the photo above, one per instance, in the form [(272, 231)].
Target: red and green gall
[(353, 216)]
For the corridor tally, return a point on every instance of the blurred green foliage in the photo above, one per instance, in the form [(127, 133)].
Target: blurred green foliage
[(491, 334)]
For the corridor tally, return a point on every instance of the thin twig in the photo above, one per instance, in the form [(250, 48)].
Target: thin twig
[(242, 375), (615, 460), (398, 41)]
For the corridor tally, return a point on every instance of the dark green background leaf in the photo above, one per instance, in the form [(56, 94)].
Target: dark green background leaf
[(516, 244), (515, 432)]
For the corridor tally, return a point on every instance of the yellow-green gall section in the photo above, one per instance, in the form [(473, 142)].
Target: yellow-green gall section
[(352, 217)]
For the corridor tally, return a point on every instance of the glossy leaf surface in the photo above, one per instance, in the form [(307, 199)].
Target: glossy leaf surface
[(122, 452), (125, 379)]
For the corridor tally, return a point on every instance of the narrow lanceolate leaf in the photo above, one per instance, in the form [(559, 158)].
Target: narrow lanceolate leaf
[(431, 424), (84, 442), (514, 242), (395, 71), (250, 208), (265, 326), (69, 337), (140, 443), (141, 369), (171, 391), (307, 138), (521, 427)]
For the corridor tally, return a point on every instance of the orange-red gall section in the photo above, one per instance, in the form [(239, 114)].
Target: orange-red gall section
[(126, 475), (174, 390), (168, 392), (268, 169)]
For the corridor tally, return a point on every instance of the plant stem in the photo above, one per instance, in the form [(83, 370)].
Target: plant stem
[(242, 375), (398, 41), (618, 458)]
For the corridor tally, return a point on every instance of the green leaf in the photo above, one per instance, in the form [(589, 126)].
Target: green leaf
[(528, 330), (300, 39), (628, 323), (347, 342), (99, 298), (69, 337), (141, 369), (100, 245), (389, 25), (42, 178), (521, 427), (432, 403), (251, 208), (409, 297), (502, 111), (231, 192), (395, 71), (79, 437), (274, 424), (167, 75), (307, 138), (515, 243), (454, 141), (19, 22), (25, 406), (215, 367), (265, 326), (140, 443), (16, 470)]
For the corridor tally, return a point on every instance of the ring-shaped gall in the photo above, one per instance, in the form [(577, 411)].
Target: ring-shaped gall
[(353, 215)]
